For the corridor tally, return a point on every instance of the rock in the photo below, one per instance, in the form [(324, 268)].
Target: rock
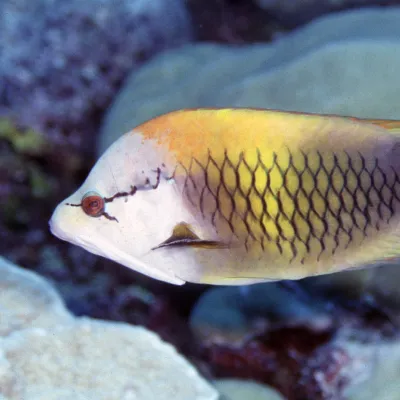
[(46, 353), (333, 367), (102, 361), (27, 300), (383, 380), (379, 282), (232, 22), (319, 366), (237, 389), (233, 312), (275, 357), (320, 68), (294, 12), (62, 62), (296, 341)]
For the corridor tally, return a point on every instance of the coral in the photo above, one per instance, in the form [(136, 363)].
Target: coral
[(62, 62), (240, 311), (273, 337), (100, 360), (304, 363), (231, 21), (27, 300), (22, 175), (23, 141), (319, 68), (275, 357), (239, 389), (46, 353), (291, 13)]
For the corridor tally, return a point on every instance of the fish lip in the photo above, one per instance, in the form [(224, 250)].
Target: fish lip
[(112, 253), (128, 261), (54, 229)]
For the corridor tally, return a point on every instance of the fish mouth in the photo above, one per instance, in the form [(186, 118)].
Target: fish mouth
[(56, 230), (107, 250)]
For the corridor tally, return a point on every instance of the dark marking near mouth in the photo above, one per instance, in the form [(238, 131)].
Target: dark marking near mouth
[(73, 205)]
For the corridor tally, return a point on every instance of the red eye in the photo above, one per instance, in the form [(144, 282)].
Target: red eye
[(92, 204)]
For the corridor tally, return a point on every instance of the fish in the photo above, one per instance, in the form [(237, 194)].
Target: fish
[(237, 196)]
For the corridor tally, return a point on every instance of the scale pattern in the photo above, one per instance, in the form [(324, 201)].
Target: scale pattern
[(296, 204)]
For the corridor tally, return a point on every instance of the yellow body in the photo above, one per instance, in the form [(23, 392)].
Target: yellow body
[(292, 194)]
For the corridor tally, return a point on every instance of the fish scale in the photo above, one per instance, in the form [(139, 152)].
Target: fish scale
[(310, 204)]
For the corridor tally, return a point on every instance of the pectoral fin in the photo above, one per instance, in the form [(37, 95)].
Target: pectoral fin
[(182, 236)]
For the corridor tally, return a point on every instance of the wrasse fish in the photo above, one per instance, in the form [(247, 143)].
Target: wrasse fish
[(239, 196)]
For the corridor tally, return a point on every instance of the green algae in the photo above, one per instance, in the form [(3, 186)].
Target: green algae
[(23, 141)]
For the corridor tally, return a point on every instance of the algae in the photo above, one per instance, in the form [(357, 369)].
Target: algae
[(23, 141)]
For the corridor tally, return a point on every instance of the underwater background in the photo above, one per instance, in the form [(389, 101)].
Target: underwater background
[(74, 76)]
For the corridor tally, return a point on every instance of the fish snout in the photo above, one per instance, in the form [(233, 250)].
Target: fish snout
[(63, 223)]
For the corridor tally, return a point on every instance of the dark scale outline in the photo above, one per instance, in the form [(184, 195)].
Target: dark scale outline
[(231, 193), (323, 196), (189, 178), (310, 196), (359, 214), (365, 211), (249, 212), (269, 189), (203, 190), (354, 196), (382, 201), (336, 214), (300, 190), (211, 161), (396, 181), (291, 218), (342, 211), (264, 213), (375, 190), (392, 188)]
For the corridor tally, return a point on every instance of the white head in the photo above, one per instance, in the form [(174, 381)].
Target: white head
[(118, 214)]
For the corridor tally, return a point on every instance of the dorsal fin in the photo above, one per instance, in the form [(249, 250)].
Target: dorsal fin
[(391, 125)]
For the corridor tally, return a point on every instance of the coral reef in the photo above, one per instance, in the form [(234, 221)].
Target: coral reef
[(46, 353), (324, 338), (240, 389), (320, 68), (307, 356), (296, 12), (27, 300), (62, 62)]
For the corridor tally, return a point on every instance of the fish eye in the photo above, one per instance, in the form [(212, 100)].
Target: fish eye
[(93, 204)]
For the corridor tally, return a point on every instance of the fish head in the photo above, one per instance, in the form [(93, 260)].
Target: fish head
[(125, 208)]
